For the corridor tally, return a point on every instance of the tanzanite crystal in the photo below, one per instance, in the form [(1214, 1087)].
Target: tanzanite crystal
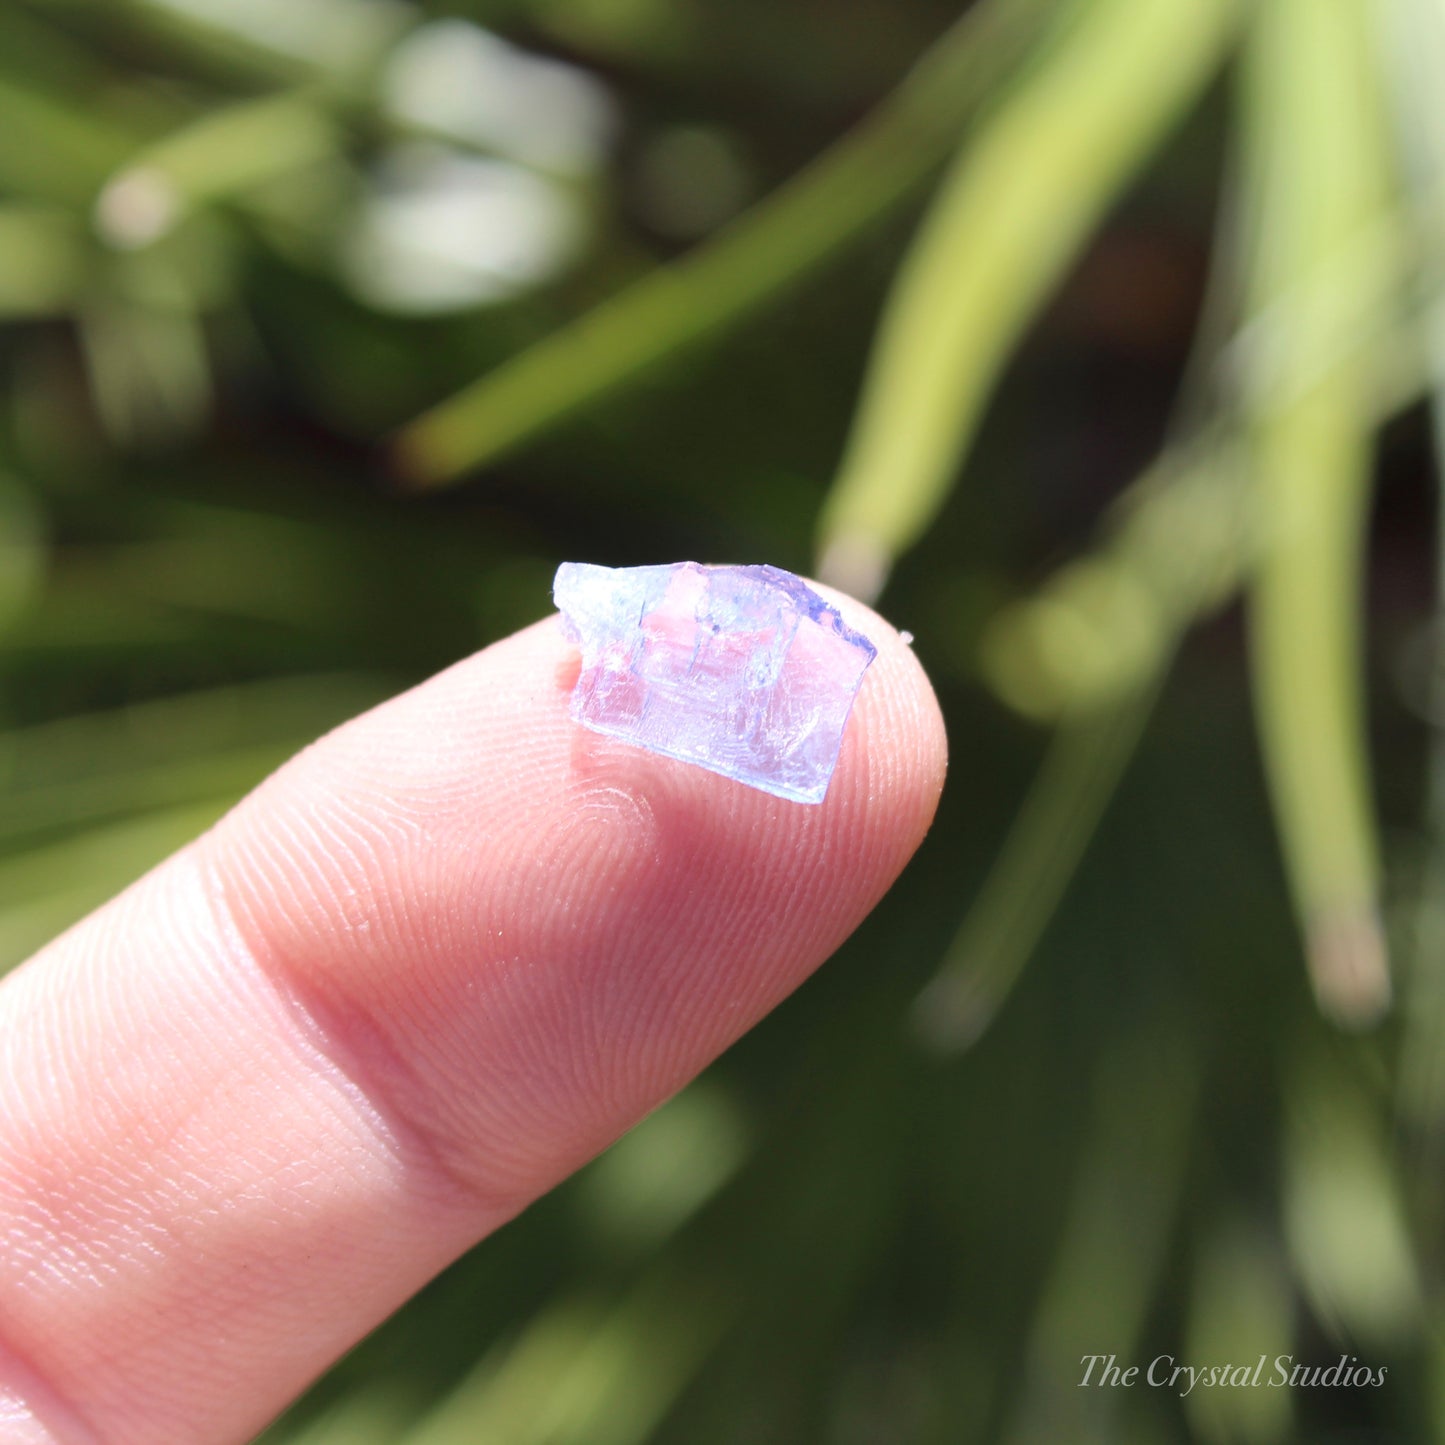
[(745, 671)]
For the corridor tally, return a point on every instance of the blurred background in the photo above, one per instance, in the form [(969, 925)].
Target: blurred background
[(1100, 342)]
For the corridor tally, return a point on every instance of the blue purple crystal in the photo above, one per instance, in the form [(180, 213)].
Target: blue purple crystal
[(744, 671)]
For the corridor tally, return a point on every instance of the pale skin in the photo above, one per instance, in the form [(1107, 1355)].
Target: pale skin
[(426, 970)]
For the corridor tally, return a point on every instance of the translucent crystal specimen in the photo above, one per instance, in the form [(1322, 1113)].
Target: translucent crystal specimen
[(745, 671)]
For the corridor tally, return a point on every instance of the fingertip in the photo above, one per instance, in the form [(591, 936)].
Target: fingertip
[(899, 710)]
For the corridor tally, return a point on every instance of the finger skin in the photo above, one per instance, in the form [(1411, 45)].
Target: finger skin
[(425, 971)]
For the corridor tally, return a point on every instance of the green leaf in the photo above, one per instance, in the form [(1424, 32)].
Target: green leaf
[(1021, 200), (1316, 169), (749, 262)]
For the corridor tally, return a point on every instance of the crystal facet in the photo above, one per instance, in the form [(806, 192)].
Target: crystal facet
[(744, 671)]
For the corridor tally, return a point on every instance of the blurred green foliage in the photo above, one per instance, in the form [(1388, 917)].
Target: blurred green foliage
[(331, 326)]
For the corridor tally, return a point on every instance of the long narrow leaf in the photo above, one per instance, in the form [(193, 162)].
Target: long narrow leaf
[(1023, 888), (1317, 160), (788, 234), (1089, 652), (224, 152), (1020, 202)]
